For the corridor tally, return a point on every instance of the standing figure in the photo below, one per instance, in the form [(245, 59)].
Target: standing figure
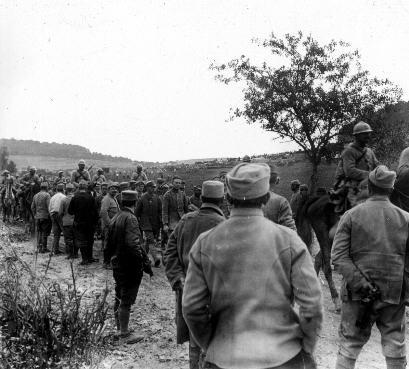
[(128, 260), (71, 247), (56, 220), (177, 254), (243, 278), (295, 197), (84, 209), (81, 174), (139, 175), (370, 252), (39, 208), (99, 177), (195, 201), (149, 213)]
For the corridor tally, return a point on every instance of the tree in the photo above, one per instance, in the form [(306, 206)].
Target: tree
[(5, 163), (312, 92)]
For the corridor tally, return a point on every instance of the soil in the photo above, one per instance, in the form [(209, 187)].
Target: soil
[(153, 316)]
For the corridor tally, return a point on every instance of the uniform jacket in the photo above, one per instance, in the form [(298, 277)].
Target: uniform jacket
[(55, 202), (28, 179), (140, 177), (174, 206), (67, 219), (109, 207), (84, 209), (295, 202), (77, 176), (372, 238), (98, 178), (124, 243), (39, 206), (196, 201), (149, 212), (279, 211), (356, 163), (242, 280)]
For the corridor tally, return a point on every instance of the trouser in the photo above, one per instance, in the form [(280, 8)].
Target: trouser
[(57, 228), (126, 291), (151, 239), (43, 231), (390, 320), (70, 245), (164, 242), (84, 238), (104, 244), (302, 360)]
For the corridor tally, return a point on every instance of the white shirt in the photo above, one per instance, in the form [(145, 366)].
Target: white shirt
[(55, 202)]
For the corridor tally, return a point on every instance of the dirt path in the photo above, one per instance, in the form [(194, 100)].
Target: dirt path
[(153, 316)]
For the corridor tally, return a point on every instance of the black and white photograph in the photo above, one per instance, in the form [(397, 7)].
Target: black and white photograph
[(204, 184)]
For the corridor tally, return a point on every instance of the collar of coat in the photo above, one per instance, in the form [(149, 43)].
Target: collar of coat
[(246, 212), (208, 205), (130, 210), (378, 198)]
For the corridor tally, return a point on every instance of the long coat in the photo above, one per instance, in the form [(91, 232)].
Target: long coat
[(149, 212), (241, 283), (174, 206)]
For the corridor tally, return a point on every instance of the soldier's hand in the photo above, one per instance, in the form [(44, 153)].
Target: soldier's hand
[(365, 287)]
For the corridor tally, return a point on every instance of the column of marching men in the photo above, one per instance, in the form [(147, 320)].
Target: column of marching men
[(246, 292)]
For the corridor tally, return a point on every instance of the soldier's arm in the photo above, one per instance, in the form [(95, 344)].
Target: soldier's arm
[(196, 299), (133, 238), (350, 169), (165, 207), (185, 204), (71, 207), (340, 254), (285, 215), (104, 210), (173, 266), (307, 293), (33, 206)]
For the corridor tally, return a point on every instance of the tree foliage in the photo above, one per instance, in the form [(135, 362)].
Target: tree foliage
[(307, 92)]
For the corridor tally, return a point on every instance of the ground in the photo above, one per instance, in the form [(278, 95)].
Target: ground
[(153, 316)]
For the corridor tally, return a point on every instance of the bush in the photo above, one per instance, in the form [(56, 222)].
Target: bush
[(43, 324)]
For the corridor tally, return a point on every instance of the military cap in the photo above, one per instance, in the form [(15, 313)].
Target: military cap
[(113, 184), (160, 181), (246, 159), (295, 182), (83, 183), (303, 187), (139, 166), (43, 185), (104, 184), (132, 181), (361, 127), (60, 186), (60, 171), (150, 184), (212, 189), (199, 188), (5, 172), (129, 195), (33, 168), (82, 161), (139, 182), (382, 177), (247, 181), (124, 185), (69, 186), (99, 170)]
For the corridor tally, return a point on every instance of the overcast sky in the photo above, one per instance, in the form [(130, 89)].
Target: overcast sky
[(131, 78)]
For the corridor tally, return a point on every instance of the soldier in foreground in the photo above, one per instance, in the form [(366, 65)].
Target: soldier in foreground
[(277, 208), (129, 261), (177, 254), (243, 278), (71, 247), (39, 207), (369, 250)]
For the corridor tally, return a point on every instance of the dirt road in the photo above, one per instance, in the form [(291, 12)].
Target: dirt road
[(153, 316)]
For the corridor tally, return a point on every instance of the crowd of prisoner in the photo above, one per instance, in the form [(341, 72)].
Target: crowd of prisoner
[(247, 295)]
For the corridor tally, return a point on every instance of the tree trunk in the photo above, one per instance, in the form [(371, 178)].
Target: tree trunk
[(314, 177)]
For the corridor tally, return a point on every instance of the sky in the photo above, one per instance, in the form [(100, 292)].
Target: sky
[(131, 78)]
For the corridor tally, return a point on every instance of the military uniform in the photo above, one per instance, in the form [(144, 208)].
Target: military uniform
[(78, 175), (278, 210), (71, 247), (39, 208), (56, 220), (370, 246), (109, 207)]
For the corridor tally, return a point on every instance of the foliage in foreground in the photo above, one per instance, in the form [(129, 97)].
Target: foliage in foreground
[(43, 324)]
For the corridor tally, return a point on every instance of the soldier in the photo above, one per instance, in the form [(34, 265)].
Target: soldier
[(129, 261), (239, 290), (177, 254), (139, 175), (195, 201), (370, 251), (132, 185), (59, 179), (31, 178), (80, 174), (161, 188), (99, 177), (149, 214), (39, 208), (123, 186), (109, 207), (295, 197), (71, 247), (140, 188), (54, 210), (246, 159), (278, 209), (84, 209), (174, 206), (357, 160)]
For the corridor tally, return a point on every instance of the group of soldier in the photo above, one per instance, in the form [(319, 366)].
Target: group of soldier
[(236, 278)]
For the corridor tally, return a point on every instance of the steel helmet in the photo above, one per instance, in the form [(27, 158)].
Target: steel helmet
[(82, 161), (246, 159), (361, 127)]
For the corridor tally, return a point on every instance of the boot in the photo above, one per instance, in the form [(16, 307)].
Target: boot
[(126, 336), (44, 243), (395, 363), (194, 357), (344, 362)]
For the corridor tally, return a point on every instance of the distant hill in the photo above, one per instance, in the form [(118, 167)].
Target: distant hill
[(55, 150)]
